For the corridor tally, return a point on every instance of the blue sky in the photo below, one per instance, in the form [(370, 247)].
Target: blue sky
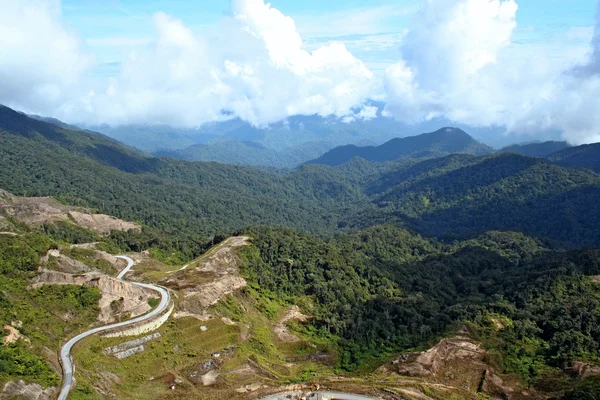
[(527, 66), (111, 28)]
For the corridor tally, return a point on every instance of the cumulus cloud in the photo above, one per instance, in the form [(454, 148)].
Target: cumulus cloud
[(252, 65), (40, 61), (572, 102), (447, 57), (457, 62)]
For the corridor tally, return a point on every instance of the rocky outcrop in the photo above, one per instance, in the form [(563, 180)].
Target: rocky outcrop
[(582, 369), (460, 362), (431, 361), (21, 390), (120, 299)]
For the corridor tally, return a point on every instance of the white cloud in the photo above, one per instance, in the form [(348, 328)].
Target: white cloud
[(40, 61), (116, 41), (445, 60), (571, 102), (253, 64), (458, 62)]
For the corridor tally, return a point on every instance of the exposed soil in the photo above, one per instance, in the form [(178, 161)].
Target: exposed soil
[(103, 224), (281, 330), (459, 363), (21, 390), (40, 210), (13, 335), (59, 262), (208, 280)]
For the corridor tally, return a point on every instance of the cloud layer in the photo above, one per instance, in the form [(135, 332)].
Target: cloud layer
[(456, 61), (252, 66), (40, 61)]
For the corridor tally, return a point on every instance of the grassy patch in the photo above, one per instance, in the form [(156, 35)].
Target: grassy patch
[(182, 345)]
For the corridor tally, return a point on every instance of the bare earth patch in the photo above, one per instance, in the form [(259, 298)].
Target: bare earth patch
[(40, 210), (458, 363), (282, 331), (13, 335), (214, 276)]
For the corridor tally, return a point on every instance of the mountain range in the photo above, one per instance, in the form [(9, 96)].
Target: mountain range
[(458, 194), (433, 241), (285, 144)]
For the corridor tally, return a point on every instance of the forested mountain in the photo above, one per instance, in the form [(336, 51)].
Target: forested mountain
[(440, 143), (385, 256), (586, 156), (540, 149), (386, 289), (289, 133), (461, 195), (454, 196), (230, 151)]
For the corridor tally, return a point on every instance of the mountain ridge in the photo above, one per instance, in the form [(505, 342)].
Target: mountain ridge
[(439, 143)]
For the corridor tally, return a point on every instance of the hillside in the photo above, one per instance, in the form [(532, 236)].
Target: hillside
[(586, 156), (384, 258), (462, 195), (541, 149), (457, 195), (82, 168), (428, 145), (274, 307)]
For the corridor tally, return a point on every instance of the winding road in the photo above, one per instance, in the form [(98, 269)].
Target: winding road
[(315, 395), (65, 351)]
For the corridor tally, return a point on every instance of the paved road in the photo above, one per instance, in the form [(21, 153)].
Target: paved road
[(65, 352), (314, 396)]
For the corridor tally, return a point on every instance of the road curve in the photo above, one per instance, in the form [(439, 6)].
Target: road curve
[(65, 352), (314, 396)]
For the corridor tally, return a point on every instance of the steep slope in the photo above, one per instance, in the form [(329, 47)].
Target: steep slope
[(428, 145), (586, 156), (91, 145), (536, 149)]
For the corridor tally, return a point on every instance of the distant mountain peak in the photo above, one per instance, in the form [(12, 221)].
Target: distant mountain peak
[(444, 141)]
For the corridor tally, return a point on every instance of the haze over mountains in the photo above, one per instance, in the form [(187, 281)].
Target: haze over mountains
[(288, 143)]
